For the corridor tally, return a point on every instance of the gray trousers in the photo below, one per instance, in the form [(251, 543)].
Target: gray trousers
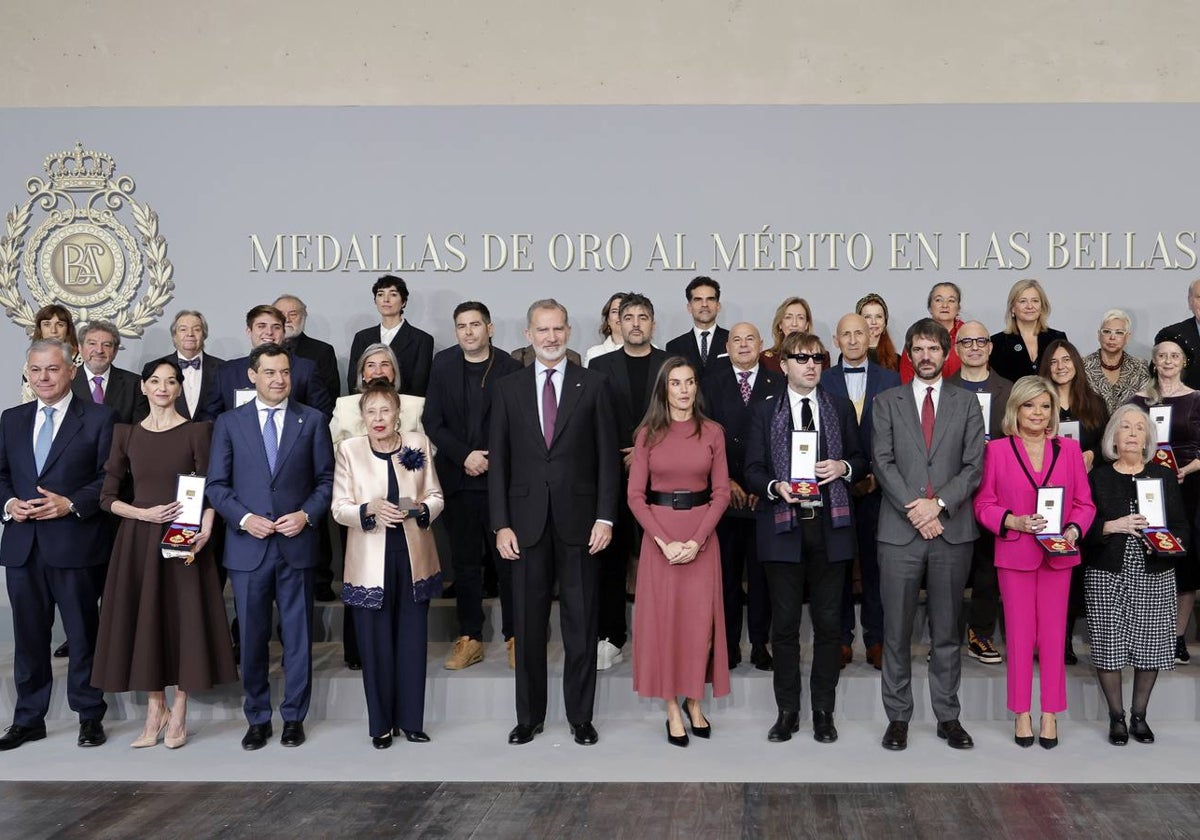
[(944, 568)]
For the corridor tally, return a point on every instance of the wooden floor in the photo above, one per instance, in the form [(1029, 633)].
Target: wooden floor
[(30, 810)]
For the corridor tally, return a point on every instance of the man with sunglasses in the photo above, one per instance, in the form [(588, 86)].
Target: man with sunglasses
[(974, 347), (805, 539), (927, 455)]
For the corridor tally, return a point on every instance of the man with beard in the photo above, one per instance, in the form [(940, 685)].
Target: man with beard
[(927, 452)]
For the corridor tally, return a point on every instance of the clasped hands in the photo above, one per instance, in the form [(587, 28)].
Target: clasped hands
[(289, 525), (925, 516), (677, 552), (48, 506), (1133, 523)]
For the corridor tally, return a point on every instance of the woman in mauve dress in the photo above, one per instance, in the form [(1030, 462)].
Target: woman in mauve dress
[(678, 489)]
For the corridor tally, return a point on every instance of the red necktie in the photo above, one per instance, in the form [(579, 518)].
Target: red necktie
[(549, 407), (927, 429)]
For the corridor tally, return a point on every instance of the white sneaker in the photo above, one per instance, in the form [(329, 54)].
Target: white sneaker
[(607, 655)]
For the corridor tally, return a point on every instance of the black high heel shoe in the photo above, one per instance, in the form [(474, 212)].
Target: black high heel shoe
[(699, 731), (1048, 743), (676, 740), (1023, 740)]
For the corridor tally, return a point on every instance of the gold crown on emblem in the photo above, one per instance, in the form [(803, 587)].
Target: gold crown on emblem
[(79, 169)]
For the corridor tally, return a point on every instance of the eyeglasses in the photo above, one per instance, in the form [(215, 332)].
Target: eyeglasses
[(1113, 333), (973, 342), (803, 358)]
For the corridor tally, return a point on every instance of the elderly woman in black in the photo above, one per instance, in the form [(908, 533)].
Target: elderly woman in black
[(1130, 591)]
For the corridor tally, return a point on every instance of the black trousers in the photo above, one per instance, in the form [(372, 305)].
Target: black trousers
[(786, 583), (985, 590), (739, 558), (534, 574), (866, 520), (614, 565), (472, 544)]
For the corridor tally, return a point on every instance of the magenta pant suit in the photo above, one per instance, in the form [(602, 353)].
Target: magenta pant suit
[(1033, 586)]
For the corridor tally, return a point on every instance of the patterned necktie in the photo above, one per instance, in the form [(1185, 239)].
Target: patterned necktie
[(194, 364), (927, 430), (704, 347), (744, 386), (45, 438), (549, 407), (98, 390), (271, 438)]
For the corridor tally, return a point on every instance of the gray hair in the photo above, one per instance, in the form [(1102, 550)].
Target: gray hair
[(546, 303), (1119, 315), (194, 313), (101, 326), (1108, 443), (372, 349), (44, 344), (302, 304)]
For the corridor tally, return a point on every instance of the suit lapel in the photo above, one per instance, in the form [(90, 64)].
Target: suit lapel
[(248, 420), (909, 400), (572, 391), (947, 402), (529, 401), (71, 424), (293, 425)]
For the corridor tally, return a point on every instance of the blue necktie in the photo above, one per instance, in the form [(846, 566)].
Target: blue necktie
[(41, 447), (270, 440)]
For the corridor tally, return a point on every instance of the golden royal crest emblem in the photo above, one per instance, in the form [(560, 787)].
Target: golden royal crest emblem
[(82, 256)]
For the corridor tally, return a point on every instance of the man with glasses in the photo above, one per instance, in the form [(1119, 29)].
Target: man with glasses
[(974, 346)]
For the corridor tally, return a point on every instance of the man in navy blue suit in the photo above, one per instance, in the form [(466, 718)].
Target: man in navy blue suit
[(56, 541), (855, 378), (265, 325), (271, 478), (705, 342)]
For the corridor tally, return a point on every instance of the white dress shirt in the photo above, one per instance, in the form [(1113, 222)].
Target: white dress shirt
[(919, 390), (540, 380)]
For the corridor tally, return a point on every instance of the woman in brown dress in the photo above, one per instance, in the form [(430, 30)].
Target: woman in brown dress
[(163, 621), (678, 489)]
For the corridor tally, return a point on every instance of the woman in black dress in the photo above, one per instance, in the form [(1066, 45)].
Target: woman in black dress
[(162, 621), (1019, 349)]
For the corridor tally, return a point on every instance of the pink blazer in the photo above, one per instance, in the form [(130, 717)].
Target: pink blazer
[(1007, 488)]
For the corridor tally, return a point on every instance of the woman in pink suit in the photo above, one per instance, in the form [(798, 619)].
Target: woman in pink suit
[(678, 489), (1034, 585)]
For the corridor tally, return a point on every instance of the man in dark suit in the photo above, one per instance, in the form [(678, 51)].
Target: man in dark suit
[(264, 325), (807, 539), (927, 454), (705, 341), (553, 480), (1187, 335), (56, 540), (860, 382), (413, 347), (271, 478), (458, 408), (732, 388), (974, 348), (630, 372), (300, 343), (101, 382), (189, 331)]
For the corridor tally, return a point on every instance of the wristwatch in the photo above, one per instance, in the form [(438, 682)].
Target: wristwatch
[(941, 503), (71, 507)]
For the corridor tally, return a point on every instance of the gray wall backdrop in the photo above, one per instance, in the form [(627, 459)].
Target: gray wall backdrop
[(218, 175)]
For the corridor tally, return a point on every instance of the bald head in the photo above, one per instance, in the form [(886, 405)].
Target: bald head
[(744, 345), (1194, 298), (975, 355), (853, 339)]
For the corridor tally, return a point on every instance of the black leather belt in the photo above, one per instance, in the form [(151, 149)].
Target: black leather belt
[(679, 499)]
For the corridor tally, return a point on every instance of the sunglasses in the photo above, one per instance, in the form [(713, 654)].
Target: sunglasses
[(803, 358)]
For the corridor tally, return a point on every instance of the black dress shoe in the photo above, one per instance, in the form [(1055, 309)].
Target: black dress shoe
[(760, 657), (293, 733), (523, 733), (676, 740), (1118, 732), (1022, 741), (381, 742), (785, 724), (1069, 656), (1138, 728), (256, 736), (91, 733), (704, 731), (824, 732), (895, 737), (952, 733), (353, 664), (735, 657), (585, 734), (415, 736), (16, 735), (60, 652), (324, 592)]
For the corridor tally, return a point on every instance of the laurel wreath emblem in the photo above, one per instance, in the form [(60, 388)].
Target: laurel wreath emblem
[(158, 267)]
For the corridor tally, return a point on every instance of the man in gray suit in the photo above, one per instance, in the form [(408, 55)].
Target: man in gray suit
[(928, 460)]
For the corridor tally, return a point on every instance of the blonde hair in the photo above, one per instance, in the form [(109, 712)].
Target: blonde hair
[(1010, 320), (1025, 389), (1116, 315)]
